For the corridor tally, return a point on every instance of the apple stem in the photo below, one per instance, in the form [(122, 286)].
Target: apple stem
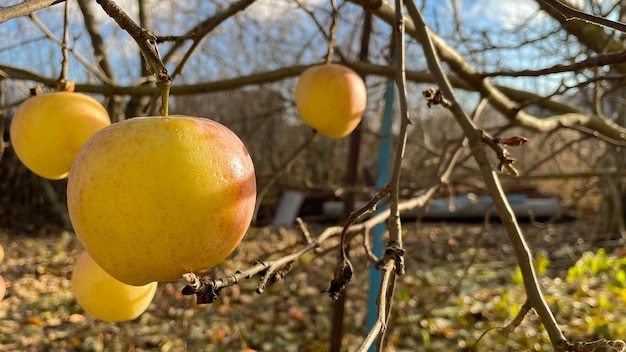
[(165, 96)]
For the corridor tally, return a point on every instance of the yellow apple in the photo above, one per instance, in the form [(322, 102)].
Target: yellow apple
[(152, 198), (48, 130), (3, 288), (106, 298), (331, 99)]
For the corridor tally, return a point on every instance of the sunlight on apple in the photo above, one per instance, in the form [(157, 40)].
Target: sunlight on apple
[(153, 198), (331, 99), (48, 130)]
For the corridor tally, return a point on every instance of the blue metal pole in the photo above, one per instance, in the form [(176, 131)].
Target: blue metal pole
[(384, 148)]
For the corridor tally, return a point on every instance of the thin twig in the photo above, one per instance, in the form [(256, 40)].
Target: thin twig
[(104, 66), (62, 81), (305, 230), (24, 8), (343, 270), (144, 38), (571, 13), (594, 61), (93, 68), (333, 32), (517, 320), (268, 267), (321, 28), (393, 260), (285, 167), (499, 97), (206, 28), (615, 345), (380, 325)]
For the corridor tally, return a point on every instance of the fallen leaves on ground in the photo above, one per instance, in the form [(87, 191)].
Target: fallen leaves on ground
[(453, 291)]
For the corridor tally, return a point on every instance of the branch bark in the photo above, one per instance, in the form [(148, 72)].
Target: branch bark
[(591, 35), (25, 8), (571, 13)]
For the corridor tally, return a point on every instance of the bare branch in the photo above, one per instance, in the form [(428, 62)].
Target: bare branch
[(380, 325), (326, 35), (145, 39), (25, 8), (97, 42), (571, 13), (524, 256), (285, 167), (205, 28), (393, 259), (496, 96), (284, 73), (594, 61), (615, 345), (92, 68), (62, 81), (333, 32)]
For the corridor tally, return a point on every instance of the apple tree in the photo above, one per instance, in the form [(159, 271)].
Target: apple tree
[(479, 98)]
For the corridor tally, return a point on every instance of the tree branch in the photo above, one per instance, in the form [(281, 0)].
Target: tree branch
[(590, 35), (92, 68), (285, 167), (496, 97), (204, 29), (594, 61), (25, 8), (97, 43), (571, 13), (474, 135), (145, 39)]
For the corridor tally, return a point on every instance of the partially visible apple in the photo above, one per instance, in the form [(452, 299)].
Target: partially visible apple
[(331, 99), (106, 298), (1, 254), (48, 130), (3, 288), (152, 198)]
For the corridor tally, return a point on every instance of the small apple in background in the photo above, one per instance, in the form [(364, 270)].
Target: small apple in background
[(331, 99), (3, 288), (152, 198), (106, 298), (48, 130)]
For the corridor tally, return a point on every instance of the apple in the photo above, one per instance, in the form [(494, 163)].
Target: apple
[(152, 198), (331, 99), (3, 288), (104, 297), (48, 130), (1, 254)]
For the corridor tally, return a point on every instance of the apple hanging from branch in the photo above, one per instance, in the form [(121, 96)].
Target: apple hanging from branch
[(331, 98)]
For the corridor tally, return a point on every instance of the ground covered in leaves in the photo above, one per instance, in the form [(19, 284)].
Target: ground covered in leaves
[(461, 282)]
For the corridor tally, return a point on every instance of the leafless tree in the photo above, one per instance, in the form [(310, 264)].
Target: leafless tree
[(554, 76)]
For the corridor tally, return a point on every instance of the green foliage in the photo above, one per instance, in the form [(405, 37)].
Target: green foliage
[(591, 297), (599, 265), (598, 282)]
